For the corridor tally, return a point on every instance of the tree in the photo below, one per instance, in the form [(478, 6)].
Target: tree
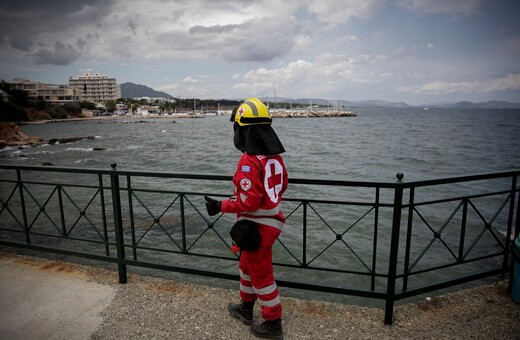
[(111, 105), (87, 105), (11, 112)]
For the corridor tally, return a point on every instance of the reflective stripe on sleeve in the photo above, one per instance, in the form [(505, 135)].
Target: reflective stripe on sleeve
[(262, 212)]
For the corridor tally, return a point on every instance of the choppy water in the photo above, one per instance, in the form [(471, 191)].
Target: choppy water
[(373, 146)]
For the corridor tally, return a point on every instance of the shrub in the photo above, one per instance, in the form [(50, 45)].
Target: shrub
[(10, 112)]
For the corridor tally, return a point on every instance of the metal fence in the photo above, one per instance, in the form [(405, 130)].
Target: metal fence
[(383, 241)]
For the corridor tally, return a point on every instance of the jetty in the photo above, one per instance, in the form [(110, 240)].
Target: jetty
[(311, 114)]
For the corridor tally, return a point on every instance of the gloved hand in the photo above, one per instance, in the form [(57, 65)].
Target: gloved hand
[(212, 206)]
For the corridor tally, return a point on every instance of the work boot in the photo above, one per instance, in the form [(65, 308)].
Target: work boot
[(268, 330), (242, 311)]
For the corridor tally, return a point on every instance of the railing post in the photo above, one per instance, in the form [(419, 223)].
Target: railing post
[(183, 224), (394, 250), (508, 244), (374, 243), (408, 239), (304, 245), (62, 213), (118, 224), (22, 203)]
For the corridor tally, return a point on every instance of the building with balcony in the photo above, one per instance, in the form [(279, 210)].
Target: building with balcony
[(96, 88), (37, 91)]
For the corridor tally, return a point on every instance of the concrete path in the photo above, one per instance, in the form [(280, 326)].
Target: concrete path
[(48, 304)]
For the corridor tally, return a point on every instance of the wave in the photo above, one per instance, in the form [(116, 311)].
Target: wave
[(80, 149)]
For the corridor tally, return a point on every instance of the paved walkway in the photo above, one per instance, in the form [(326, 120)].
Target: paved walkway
[(43, 299)]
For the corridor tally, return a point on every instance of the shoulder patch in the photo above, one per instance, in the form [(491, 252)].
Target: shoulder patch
[(246, 168), (245, 184)]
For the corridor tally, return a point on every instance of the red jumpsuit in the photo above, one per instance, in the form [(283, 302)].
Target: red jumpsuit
[(259, 183)]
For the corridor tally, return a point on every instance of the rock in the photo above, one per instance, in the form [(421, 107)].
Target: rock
[(68, 140), (11, 134)]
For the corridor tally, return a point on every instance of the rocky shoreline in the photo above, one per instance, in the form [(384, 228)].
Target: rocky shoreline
[(12, 135)]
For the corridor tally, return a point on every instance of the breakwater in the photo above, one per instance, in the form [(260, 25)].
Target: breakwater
[(312, 114)]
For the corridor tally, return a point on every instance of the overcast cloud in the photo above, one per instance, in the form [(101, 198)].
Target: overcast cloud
[(416, 51)]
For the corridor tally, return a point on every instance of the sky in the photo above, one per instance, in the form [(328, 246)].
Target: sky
[(413, 51)]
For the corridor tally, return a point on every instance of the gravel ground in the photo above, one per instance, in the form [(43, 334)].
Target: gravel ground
[(153, 308)]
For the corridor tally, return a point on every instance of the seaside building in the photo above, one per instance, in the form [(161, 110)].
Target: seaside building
[(60, 94), (156, 99), (96, 88)]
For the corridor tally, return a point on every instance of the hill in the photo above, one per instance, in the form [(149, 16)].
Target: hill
[(494, 104), (131, 90)]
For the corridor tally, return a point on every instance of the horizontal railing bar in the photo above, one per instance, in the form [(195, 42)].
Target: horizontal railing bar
[(180, 252), (458, 179), (59, 251), (330, 289), (281, 283), (451, 265), (460, 198), (390, 185), (450, 283), (58, 184), (332, 270)]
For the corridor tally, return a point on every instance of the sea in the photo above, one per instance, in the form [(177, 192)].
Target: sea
[(372, 147)]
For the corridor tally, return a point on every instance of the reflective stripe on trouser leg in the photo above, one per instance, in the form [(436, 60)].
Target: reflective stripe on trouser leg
[(247, 293), (268, 296), (257, 266)]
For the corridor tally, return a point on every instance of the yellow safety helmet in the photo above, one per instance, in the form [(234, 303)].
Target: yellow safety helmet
[(252, 112)]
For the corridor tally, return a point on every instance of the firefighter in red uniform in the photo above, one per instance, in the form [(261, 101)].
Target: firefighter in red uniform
[(260, 180)]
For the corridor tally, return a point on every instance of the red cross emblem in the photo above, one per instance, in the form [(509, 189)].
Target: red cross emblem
[(241, 111), (273, 179)]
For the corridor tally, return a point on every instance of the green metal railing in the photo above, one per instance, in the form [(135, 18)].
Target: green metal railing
[(383, 241)]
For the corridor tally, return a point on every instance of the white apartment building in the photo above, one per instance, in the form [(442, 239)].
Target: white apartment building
[(96, 88)]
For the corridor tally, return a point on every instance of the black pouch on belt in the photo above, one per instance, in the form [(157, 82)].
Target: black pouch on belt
[(245, 235)]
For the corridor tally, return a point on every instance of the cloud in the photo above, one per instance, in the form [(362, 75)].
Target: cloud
[(379, 35), (43, 29), (328, 72), (189, 80), (61, 55), (340, 11), (233, 31)]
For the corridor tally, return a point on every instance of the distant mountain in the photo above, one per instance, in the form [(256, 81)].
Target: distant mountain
[(131, 90), (494, 104)]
